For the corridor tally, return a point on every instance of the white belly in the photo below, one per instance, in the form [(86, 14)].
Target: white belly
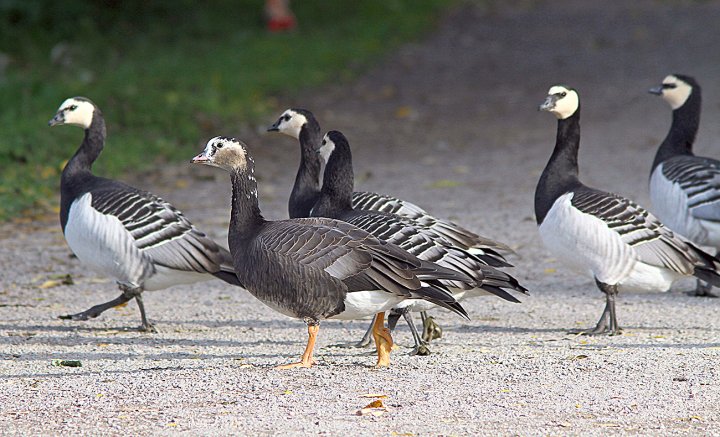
[(585, 244), (101, 242), (360, 304)]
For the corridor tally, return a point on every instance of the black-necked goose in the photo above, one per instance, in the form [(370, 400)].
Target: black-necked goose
[(684, 188), (125, 233), (616, 241), (302, 125), (316, 268), (335, 201)]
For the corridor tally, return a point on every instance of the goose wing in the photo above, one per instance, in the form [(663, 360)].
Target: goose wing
[(654, 243), (160, 231), (453, 233), (699, 179)]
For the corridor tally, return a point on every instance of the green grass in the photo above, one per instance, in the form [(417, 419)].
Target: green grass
[(167, 74)]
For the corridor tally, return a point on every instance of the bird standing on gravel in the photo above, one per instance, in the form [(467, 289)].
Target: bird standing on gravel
[(335, 202), (125, 233), (611, 238), (316, 268), (302, 125), (684, 188)]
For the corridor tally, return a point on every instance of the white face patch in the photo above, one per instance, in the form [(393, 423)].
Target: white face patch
[(290, 123), (561, 102), (76, 112), (326, 149), (675, 91)]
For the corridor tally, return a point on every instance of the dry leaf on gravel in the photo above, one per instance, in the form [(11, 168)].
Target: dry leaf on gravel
[(61, 280), (374, 408), (374, 395)]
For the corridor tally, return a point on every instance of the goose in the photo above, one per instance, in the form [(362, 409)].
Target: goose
[(318, 268), (302, 125), (684, 188), (128, 234), (604, 235), (335, 202)]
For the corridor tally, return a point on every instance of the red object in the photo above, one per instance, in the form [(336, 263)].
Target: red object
[(281, 24)]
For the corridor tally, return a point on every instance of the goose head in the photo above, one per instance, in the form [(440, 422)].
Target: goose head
[(561, 101), (290, 122), (327, 146), (226, 153), (77, 111), (675, 89)]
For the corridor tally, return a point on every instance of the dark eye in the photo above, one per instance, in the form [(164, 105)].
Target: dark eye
[(73, 107), (563, 94), (324, 142), (669, 86), (286, 117), (219, 145)]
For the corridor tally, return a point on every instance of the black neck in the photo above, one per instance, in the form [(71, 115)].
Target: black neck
[(245, 216), (76, 176), (561, 172), (336, 194), (307, 181), (684, 127), (90, 148)]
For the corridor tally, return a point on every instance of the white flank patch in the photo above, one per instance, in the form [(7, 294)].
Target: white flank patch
[(165, 277), (102, 243), (360, 304)]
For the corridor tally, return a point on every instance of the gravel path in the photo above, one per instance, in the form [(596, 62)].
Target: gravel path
[(450, 123)]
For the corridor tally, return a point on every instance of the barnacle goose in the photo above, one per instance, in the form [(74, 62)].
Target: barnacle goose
[(317, 268), (335, 202), (302, 125), (684, 188), (619, 243), (119, 231)]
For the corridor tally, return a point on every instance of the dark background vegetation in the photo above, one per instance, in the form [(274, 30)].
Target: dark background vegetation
[(167, 74)]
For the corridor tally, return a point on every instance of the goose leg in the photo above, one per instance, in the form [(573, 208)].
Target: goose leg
[(420, 345), (128, 293), (307, 359), (431, 330), (383, 340), (608, 320)]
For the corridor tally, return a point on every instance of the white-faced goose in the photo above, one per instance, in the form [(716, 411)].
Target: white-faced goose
[(302, 125), (125, 233), (684, 188), (317, 268), (335, 202), (611, 238)]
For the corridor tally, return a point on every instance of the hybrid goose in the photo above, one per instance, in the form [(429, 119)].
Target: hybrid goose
[(302, 125), (335, 201), (684, 188), (317, 268), (125, 233), (606, 236)]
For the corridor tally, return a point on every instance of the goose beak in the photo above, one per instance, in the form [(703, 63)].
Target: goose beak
[(657, 90), (274, 127), (58, 119), (200, 159), (548, 104)]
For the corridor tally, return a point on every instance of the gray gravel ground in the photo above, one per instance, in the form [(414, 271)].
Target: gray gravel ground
[(450, 123)]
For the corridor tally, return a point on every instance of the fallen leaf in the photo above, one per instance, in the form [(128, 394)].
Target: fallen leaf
[(287, 392), (403, 112), (64, 280), (578, 357), (374, 395), (402, 434), (374, 408), (66, 363), (550, 270)]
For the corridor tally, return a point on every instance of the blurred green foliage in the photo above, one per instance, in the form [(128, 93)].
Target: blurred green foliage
[(166, 74)]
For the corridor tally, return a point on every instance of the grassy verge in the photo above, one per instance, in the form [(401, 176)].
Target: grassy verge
[(166, 73)]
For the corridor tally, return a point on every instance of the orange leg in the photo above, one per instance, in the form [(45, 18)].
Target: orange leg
[(307, 357), (383, 340)]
